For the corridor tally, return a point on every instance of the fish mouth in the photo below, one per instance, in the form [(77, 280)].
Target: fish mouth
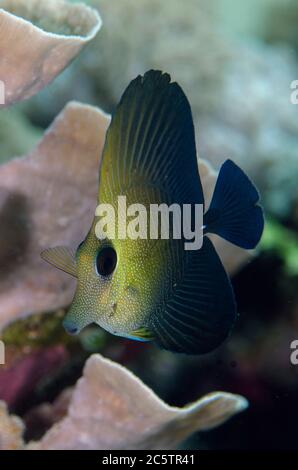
[(70, 327), (75, 321)]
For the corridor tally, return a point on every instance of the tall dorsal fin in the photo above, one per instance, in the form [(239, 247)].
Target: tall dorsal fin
[(151, 141)]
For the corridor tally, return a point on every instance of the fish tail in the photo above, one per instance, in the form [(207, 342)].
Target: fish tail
[(234, 213)]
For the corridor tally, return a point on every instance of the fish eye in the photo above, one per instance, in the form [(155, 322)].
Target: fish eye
[(106, 261)]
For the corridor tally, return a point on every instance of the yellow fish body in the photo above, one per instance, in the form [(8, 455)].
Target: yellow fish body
[(155, 289)]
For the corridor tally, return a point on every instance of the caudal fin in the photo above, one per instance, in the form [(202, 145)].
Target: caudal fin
[(234, 213)]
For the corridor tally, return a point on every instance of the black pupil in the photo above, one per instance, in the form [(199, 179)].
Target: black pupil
[(106, 261)]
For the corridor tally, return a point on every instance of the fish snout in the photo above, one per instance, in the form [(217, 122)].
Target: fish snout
[(77, 319), (70, 327)]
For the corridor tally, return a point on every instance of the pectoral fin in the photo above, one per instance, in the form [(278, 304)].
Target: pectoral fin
[(142, 334), (62, 258)]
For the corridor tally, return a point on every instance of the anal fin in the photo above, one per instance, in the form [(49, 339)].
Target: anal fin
[(201, 312)]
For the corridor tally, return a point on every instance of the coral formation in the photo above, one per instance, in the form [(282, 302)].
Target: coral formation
[(11, 430), (38, 39), (111, 409), (25, 135)]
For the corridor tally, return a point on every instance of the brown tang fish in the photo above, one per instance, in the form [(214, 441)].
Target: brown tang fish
[(152, 288)]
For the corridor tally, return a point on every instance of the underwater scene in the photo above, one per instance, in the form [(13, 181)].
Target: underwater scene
[(148, 226)]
